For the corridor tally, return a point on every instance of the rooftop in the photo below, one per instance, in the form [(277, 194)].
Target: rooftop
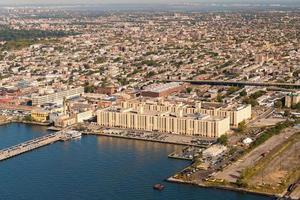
[(162, 87)]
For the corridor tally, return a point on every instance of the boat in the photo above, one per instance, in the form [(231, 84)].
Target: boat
[(73, 134), (158, 187)]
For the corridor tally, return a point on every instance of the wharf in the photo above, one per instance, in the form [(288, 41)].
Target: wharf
[(34, 144), (165, 140)]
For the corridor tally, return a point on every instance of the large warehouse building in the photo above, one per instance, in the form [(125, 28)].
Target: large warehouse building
[(164, 121), (236, 113), (162, 90)]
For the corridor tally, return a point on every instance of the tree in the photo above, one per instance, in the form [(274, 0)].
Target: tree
[(150, 74), (223, 139), (242, 127), (189, 90), (219, 98), (28, 118), (287, 113), (88, 88), (243, 93), (296, 106), (278, 104), (251, 101), (232, 90)]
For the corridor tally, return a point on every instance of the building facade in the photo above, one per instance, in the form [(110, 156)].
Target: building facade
[(40, 115), (165, 122), (163, 90), (292, 99), (57, 97), (236, 114)]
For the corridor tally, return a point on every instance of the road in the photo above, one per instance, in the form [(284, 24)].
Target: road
[(232, 172), (237, 83)]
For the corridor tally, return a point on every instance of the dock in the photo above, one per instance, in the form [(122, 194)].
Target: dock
[(34, 144)]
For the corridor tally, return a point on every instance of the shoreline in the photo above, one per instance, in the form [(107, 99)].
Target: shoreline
[(5, 123), (140, 139), (23, 122), (240, 190), (170, 179), (162, 177)]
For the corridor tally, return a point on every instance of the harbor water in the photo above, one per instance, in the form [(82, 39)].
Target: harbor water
[(95, 168)]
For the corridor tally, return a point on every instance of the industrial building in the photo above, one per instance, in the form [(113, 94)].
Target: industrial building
[(57, 97), (292, 99), (164, 121), (162, 90), (236, 113)]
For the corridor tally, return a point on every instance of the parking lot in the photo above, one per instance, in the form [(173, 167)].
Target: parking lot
[(159, 137)]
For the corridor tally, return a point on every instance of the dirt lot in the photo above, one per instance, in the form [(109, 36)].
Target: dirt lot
[(267, 122), (233, 171), (280, 168)]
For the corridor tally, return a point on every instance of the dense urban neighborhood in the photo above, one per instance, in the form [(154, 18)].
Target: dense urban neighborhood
[(223, 85)]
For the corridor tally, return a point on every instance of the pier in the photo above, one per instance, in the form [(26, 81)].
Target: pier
[(36, 143)]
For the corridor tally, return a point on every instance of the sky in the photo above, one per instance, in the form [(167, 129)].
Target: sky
[(130, 1)]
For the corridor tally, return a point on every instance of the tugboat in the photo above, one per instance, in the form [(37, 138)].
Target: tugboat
[(158, 186)]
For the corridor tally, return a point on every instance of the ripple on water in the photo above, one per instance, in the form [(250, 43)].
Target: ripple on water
[(95, 168)]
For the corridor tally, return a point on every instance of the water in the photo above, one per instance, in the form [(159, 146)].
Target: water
[(95, 168)]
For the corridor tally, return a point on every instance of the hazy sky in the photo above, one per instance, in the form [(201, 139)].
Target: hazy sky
[(127, 1)]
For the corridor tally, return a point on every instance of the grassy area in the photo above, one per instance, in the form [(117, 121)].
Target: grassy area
[(18, 39), (20, 44), (8, 34), (269, 133), (260, 167)]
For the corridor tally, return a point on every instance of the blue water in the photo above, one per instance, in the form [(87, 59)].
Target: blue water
[(95, 168)]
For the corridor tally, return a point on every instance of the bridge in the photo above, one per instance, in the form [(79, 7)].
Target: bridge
[(238, 83), (33, 144)]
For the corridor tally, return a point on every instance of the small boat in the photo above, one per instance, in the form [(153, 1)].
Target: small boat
[(158, 187), (73, 134)]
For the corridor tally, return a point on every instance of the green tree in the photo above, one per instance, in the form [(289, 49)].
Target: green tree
[(223, 139), (150, 74), (278, 104), (232, 90), (189, 90), (287, 113), (251, 101), (243, 93), (28, 118), (242, 127), (219, 98), (89, 88)]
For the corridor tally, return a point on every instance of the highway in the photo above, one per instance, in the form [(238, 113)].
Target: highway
[(238, 83)]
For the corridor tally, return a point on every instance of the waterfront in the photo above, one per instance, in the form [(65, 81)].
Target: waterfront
[(94, 167)]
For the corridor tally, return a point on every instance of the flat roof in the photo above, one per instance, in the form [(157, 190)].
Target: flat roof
[(162, 87), (196, 116)]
